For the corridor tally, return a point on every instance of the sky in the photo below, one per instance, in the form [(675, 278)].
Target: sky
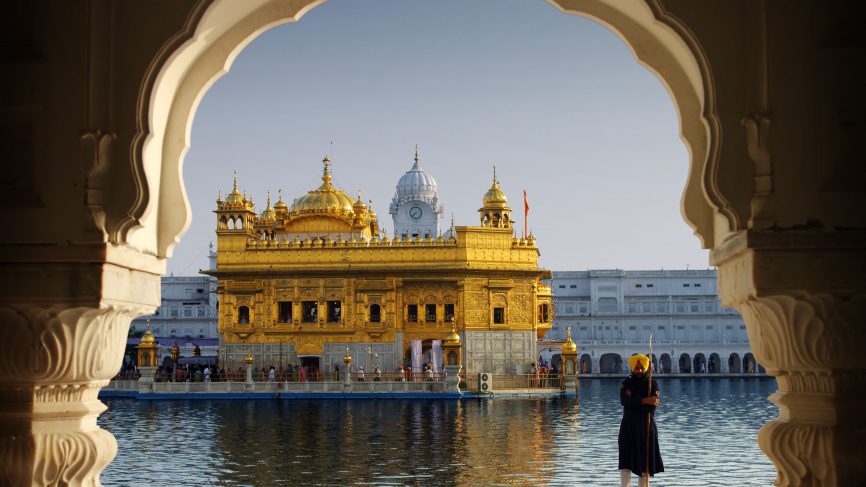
[(557, 102)]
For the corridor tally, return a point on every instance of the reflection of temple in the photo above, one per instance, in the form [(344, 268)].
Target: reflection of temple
[(302, 283)]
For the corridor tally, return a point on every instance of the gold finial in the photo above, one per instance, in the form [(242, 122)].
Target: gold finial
[(417, 155), (269, 198), (235, 187), (494, 175), (326, 173), (569, 348)]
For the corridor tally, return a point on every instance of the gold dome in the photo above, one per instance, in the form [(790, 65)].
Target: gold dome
[(453, 338), (147, 340), (280, 204), (359, 206), (326, 199), (495, 197), (569, 348), (235, 196), (269, 213)]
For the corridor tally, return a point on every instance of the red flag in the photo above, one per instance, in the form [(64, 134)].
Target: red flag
[(525, 203)]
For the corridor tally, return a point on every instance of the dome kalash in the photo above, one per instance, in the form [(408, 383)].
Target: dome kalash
[(324, 213)]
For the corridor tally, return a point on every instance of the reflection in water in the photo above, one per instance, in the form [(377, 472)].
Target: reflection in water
[(707, 432)]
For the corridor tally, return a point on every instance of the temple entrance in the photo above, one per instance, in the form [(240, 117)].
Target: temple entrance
[(311, 366)]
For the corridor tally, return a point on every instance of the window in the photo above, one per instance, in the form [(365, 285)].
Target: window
[(412, 311), (582, 328), (649, 285), (695, 308), (569, 309), (543, 313), (449, 312), (375, 313), (632, 328), (632, 307), (638, 285), (709, 327), (430, 313), (607, 305), (562, 286), (709, 307), (646, 307), (647, 327), (200, 291), (309, 311), (499, 315), (661, 308), (285, 312), (187, 312), (174, 312), (334, 310), (573, 286), (583, 309), (681, 307), (697, 284), (729, 327), (686, 285), (243, 314), (660, 327)]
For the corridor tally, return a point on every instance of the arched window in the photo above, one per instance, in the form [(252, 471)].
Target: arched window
[(243, 315), (544, 313), (375, 313)]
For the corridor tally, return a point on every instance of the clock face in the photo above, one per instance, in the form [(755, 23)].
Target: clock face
[(415, 212)]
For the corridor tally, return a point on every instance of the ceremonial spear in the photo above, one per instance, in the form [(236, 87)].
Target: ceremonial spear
[(649, 413)]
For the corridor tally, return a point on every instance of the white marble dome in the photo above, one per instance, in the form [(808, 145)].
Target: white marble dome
[(416, 184)]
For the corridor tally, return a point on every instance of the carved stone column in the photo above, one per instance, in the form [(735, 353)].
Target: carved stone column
[(64, 326), (804, 303)]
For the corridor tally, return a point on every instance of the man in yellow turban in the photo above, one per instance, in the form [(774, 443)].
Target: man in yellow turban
[(638, 437)]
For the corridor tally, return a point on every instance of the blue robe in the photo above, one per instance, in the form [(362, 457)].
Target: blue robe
[(633, 429)]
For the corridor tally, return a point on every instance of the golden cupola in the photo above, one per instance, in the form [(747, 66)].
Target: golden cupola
[(280, 207), (495, 211), (327, 210), (269, 214), (324, 200)]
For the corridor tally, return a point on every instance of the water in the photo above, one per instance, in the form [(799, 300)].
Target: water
[(707, 432)]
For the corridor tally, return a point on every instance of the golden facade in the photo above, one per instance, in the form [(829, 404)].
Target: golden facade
[(304, 283)]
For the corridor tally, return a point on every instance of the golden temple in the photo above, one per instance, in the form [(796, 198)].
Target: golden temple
[(308, 283)]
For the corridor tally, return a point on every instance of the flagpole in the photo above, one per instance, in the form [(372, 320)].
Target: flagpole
[(525, 213), (649, 413)]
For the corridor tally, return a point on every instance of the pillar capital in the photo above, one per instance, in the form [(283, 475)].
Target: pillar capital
[(803, 300)]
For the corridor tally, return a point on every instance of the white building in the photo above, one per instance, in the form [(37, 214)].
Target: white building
[(415, 208), (187, 315), (612, 314)]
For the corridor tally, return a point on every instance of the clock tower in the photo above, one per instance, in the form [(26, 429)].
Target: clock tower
[(415, 207)]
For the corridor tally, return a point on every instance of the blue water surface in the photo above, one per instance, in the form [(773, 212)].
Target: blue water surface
[(707, 431)]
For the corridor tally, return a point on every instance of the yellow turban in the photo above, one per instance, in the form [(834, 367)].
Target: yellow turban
[(638, 358)]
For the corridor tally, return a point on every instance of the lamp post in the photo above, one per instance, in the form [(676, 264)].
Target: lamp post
[(347, 372), (175, 355)]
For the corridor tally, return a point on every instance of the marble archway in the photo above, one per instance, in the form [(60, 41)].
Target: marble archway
[(789, 247)]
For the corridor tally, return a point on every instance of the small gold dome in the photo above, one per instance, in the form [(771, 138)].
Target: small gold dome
[(359, 206), (147, 340), (280, 204), (453, 338), (269, 213), (569, 348), (347, 358), (495, 197), (235, 197), (326, 199)]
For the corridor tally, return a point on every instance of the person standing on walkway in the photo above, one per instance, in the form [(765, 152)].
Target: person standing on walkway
[(638, 436)]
